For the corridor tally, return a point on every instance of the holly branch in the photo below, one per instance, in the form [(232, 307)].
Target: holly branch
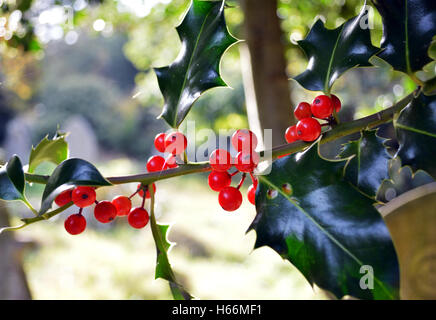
[(341, 130)]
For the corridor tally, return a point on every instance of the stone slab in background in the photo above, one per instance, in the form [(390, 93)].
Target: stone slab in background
[(411, 219)]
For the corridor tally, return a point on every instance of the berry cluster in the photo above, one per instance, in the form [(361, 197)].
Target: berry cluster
[(174, 143), (308, 128), (230, 198), (104, 211)]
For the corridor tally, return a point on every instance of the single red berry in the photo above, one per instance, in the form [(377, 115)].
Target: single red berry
[(122, 204), (147, 194), (244, 140), (291, 134), (336, 103), (246, 162), (83, 196), (220, 160), (218, 180), (138, 218), (251, 194), (170, 162), (303, 110), (155, 163), (175, 143), (322, 107), (64, 198), (230, 198), (75, 224), (105, 212), (308, 129), (159, 142)]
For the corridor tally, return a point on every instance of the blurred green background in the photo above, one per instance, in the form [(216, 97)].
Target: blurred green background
[(88, 65)]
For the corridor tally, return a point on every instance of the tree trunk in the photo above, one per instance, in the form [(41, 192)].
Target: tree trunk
[(264, 70), (13, 283)]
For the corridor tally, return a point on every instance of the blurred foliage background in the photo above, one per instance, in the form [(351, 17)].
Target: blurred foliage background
[(60, 59), (53, 52)]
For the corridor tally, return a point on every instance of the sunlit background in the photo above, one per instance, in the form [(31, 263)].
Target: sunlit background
[(86, 67)]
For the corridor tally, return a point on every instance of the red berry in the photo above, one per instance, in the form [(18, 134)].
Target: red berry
[(175, 143), (105, 212), (244, 140), (122, 204), (220, 160), (336, 103), (147, 194), (230, 198), (138, 218), (64, 198), (322, 107), (170, 162), (155, 163), (308, 129), (159, 142), (219, 180), (291, 134), (246, 162), (83, 196), (75, 224), (251, 194), (303, 110)]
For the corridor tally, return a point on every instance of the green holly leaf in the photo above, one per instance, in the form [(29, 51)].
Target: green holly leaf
[(311, 216), (205, 38), (408, 30), (71, 172), (416, 132), (401, 179), (12, 182), (368, 162), (163, 246), (55, 151), (333, 52), (163, 266)]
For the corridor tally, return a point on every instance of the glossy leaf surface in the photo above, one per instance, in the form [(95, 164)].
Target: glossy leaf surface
[(204, 38), (311, 216), (416, 132), (71, 172), (333, 52), (409, 27), (12, 181), (368, 163)]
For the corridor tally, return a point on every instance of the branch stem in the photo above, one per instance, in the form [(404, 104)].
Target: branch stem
[(46, 216)]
